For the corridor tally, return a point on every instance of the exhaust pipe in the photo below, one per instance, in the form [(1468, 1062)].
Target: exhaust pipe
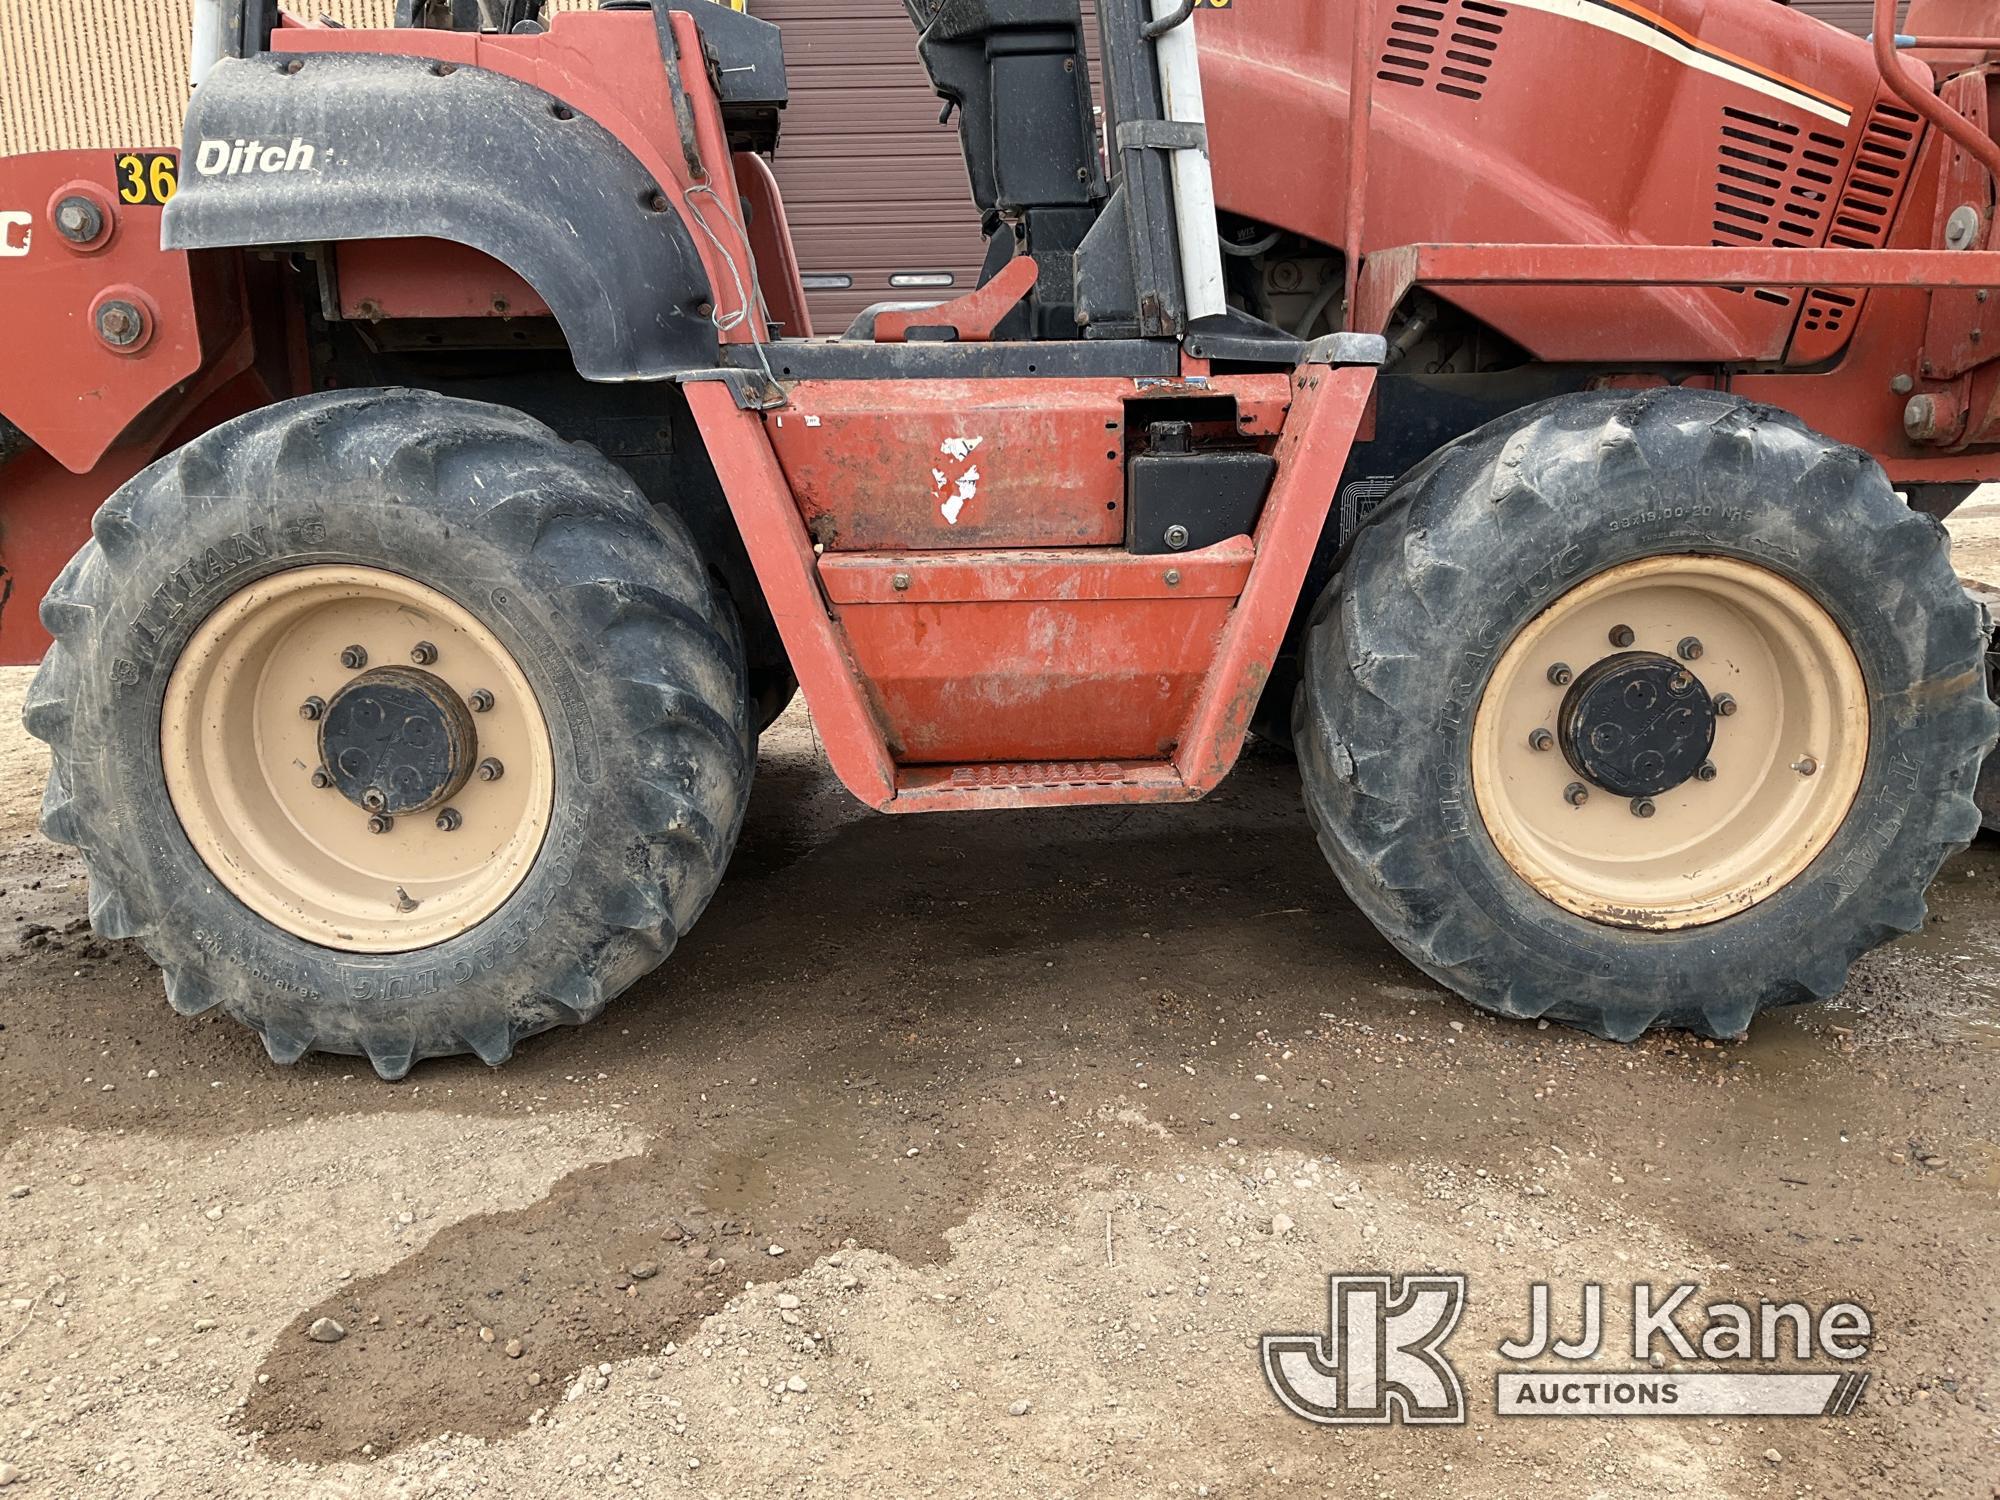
[(1178, 57), (205, 49)]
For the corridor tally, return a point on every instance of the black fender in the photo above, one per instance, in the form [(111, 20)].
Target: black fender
[(363, 146)]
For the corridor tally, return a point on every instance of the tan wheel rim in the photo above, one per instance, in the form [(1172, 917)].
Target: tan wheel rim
[(241, 755), (1790, 731)]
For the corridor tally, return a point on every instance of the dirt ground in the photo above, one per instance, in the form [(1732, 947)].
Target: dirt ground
[(965, 1156)]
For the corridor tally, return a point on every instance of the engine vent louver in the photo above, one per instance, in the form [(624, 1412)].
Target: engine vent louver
[(1446, 45), (1866, 208), (1773, 186)]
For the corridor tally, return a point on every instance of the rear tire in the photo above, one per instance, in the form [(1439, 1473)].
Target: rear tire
[(1784, 532), (530, 566)]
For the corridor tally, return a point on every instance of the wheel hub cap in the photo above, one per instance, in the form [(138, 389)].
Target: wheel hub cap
[(1636, 724), (398, 740)]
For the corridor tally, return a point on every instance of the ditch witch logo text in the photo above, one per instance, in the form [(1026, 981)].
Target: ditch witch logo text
[(1382, 1358)]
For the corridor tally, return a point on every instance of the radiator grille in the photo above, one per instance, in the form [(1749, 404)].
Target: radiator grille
[(1446, 45)]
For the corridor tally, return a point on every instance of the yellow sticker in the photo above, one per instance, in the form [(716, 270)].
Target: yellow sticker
[(147, 176)]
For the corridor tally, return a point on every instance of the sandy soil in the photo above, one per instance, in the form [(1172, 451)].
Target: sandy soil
[(1026, 1103)]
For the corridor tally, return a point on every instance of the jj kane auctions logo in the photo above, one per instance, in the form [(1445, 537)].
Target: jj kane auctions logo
[(1382, 1357)]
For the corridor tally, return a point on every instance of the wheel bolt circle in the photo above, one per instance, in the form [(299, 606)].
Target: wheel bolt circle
[(1541, 739), (1706, 772), (1576, 794), (423, 653), (312, 708), (1642, 807), (448, 820), (354, 658), (481, 701), (381, 823), (1560, 674), (1689, 649), (1622, 636), (1724, 705), (491, 769)]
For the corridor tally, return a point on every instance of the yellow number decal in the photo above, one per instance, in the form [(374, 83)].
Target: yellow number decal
[(131, 180), (146, 177)]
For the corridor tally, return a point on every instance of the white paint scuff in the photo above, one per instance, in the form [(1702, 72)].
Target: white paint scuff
[(954, 494)]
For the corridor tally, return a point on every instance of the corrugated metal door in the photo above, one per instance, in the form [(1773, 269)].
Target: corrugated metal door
[(1857, 16), (874, 187)]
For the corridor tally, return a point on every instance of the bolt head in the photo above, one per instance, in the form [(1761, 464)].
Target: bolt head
[(322, 778), (1642, 807), (1541, 739), (1173, 578), (78, 220), (481, 701), (1689, 649), (1805, 765), (1706, 771), (1724, 705), (1622, 636), (1576, 794), (374, 800), (381, 823), (120, 324), (900, 583), (354, 658), (312, 708), (1177, 537), (491, 769), (1961, 230), (1901, 385), (423, 653), (448, 820), (1560, 674)]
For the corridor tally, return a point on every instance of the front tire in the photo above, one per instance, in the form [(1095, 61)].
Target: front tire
[(1643, 710), (393, 725)]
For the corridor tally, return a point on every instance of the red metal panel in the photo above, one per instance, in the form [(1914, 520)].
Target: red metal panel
[(422, 278), (61, 384), (1036, 679), (781, 552), (1036, 655), (923, 465)]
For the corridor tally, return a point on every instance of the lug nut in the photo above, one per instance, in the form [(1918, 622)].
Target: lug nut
[(1642, 807), (1689, 649), (312, 708), (1706, 771), (381, 823), (448, 820), (373, 800), (491, 769), (354, 658), (1560, 674), (482, 701), (423, 653), (1576, 794), (1621, 636), (1724, 704), (1541, 739), (322, 778)]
